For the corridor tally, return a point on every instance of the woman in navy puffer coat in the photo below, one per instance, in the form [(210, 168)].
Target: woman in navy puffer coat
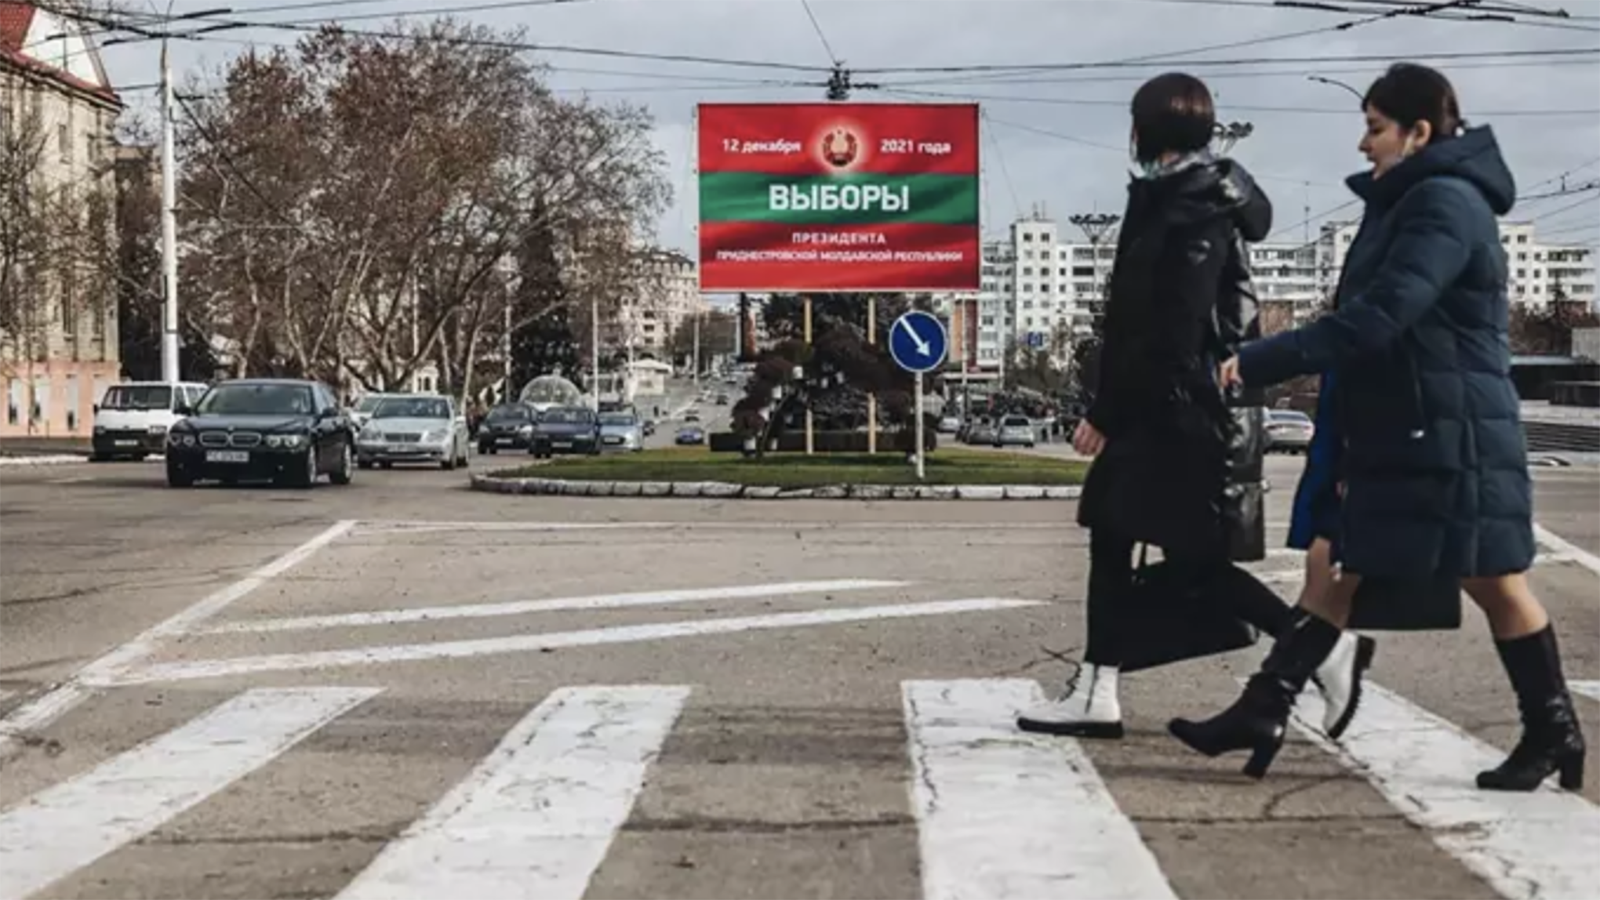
[(1432, 459)]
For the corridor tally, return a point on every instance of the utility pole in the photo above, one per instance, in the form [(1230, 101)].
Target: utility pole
[(1231, 134), (169, 227), (1095, 227), (694, 360)]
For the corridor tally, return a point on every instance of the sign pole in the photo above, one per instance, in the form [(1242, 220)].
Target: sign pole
[(872, 398), (811, 446), (922, 473)]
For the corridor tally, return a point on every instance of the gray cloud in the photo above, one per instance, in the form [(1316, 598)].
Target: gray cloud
[(1301, 154)]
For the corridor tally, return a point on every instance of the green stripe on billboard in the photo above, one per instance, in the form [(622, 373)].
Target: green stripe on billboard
[(856, 199)]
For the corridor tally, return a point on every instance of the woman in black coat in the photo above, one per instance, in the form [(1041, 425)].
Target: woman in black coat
[(1434, 470), (1159, 426)]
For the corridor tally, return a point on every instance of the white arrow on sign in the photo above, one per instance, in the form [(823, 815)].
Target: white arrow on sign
[(923, 348)]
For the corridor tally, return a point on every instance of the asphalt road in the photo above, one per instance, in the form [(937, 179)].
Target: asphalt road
[(405, 689)]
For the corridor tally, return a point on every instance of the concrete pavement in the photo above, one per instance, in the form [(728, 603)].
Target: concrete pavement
[(402, 688)]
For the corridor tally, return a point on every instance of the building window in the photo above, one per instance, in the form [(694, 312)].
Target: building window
[(64, 143)]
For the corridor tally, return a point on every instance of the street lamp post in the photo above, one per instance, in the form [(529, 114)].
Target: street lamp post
[(1336, 83)]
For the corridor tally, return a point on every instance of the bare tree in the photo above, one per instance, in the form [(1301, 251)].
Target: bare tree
[(354, 202)]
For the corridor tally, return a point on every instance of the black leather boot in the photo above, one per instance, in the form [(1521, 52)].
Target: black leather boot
[(1551, 740), (1258, 720)]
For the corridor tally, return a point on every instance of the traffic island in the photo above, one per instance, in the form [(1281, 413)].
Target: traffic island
[(951, 475)]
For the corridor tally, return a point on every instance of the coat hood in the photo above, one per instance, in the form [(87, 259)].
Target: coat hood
[(1474, 157), (1212, 188)]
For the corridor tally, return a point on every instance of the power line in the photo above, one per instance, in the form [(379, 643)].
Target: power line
[(1440, 56), (1568, 208), (1307, 110), (821, 36)]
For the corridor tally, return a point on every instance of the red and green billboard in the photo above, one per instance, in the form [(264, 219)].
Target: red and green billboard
[(812, 197)]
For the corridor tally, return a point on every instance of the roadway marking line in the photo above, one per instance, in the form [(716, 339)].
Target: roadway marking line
[(77, 480), (1536, 845), (376, 526), (69, 826), (522, 607), (1590, 689), (1004, 814), (1565, 549), (624, 634), (537, 816), (107, 669)]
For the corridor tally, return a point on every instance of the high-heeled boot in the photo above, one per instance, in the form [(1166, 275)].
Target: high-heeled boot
[(1551, 740), (1258, 720)]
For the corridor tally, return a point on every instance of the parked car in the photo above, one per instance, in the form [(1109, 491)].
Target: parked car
[(566, 429), (689, 435), (508, 426), (1015, 431), (288, 431), (414, 428), (1289, 430), (621, 431)]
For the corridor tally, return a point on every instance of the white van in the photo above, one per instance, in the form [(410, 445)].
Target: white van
[(132, 419)]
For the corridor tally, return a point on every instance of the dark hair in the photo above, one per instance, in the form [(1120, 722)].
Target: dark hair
[(1409, 93), (1172, 113)]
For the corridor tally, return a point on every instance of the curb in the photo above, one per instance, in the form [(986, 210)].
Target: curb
[(50, 460), (717, 490)]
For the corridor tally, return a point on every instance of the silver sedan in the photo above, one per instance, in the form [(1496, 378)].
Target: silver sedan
[(414, 428)]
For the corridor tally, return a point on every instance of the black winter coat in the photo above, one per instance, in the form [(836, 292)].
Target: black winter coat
[(1174, 312), (1434, 464)]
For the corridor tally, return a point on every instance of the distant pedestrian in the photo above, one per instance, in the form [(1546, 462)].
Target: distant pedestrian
[(1158, 424), (1433, 472)]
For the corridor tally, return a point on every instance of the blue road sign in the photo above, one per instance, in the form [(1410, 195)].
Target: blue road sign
[(918, 342)]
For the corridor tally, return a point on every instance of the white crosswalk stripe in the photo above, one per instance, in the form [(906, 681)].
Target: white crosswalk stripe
[(75, 823), (997, 813), (536, 818)]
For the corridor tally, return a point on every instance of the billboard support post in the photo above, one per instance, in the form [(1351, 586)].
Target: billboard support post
[(811, 446)]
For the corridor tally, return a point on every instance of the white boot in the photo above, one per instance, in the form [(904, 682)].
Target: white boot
[(1088, 709), (1339, 678)]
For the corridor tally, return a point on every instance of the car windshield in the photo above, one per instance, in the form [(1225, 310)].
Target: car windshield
[(1016, 422), (565, 416), (618, 419), (370, 403), (510, 414), (255, 399), (138, 396), (413, 408)]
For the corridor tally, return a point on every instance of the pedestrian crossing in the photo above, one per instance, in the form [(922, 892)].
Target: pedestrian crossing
[(995, 813)]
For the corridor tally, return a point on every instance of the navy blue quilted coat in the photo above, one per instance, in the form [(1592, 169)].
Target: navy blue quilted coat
[(1434, 464)]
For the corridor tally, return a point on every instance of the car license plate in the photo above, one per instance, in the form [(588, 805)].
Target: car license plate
[(228, 456), (127, 443), (504, 442), (561, 445), (613, 440)]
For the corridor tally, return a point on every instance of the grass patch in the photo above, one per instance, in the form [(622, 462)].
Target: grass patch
[(795, 470)]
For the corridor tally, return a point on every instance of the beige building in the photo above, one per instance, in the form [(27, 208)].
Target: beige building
[(58, 316), (665, 293)]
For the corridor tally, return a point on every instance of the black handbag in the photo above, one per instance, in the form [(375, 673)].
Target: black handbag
[(1172, 619), (1420, 604)]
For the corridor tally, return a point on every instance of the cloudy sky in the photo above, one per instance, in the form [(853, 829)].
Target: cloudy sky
[(1054, 139)]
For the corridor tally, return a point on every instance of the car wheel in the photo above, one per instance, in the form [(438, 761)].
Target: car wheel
[(346, 470), (99, 457), (178, 478), (448, 464), (306, 477)]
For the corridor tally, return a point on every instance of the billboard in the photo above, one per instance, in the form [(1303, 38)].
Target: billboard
[(816, 197)]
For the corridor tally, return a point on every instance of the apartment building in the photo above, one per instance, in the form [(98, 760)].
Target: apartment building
[(58, 318), (665, 294), (1538, 272)]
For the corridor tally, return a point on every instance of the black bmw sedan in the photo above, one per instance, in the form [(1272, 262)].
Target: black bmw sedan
[(286, 431)]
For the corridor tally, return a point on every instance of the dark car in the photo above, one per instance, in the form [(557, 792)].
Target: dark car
[(507, 427), (690, 435), (281, 430), (566, 429)]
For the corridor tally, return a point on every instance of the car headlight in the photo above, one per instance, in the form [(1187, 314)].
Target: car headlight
[(158, 429), (286, 441), (180, 438), (369, 432), (526, 429), (433, 437)]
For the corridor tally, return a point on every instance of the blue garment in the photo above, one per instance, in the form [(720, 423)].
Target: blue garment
[(1316, 498), (1433, 461)]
